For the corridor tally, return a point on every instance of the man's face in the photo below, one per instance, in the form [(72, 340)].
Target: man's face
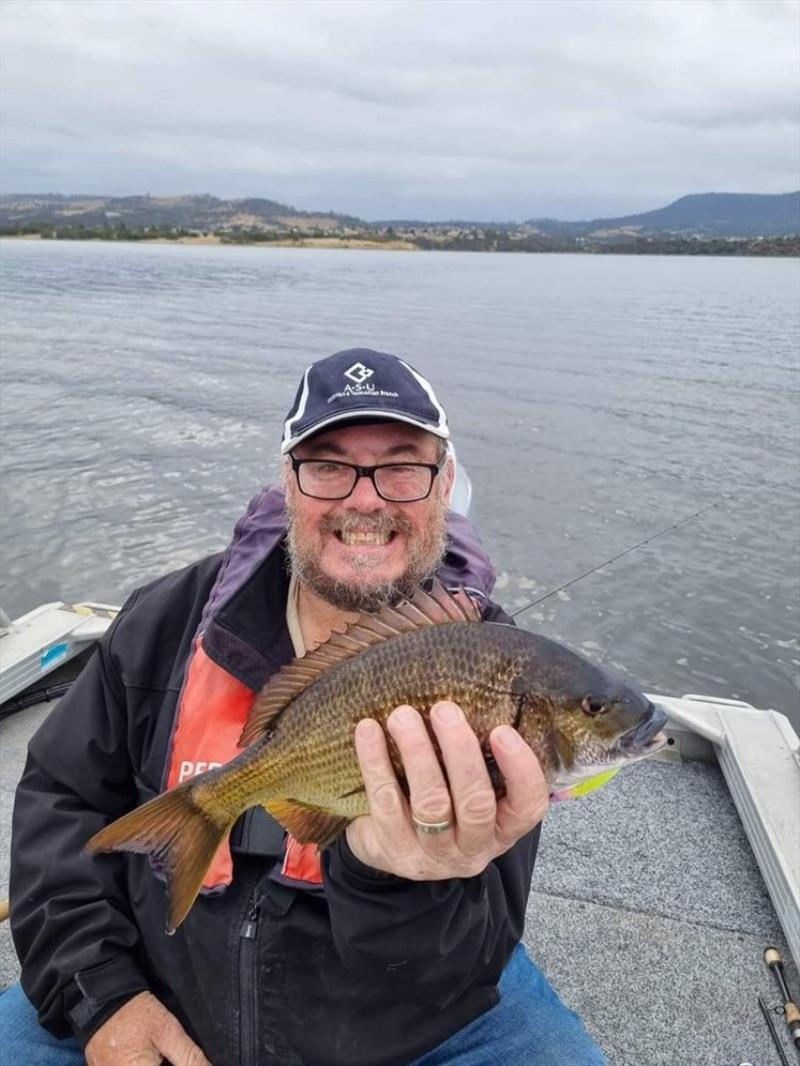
[(361, 552)]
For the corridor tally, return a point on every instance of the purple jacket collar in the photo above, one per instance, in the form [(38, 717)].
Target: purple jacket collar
[(243, 626)]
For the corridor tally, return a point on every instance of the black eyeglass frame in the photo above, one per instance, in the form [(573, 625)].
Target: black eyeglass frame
[(365, 471)]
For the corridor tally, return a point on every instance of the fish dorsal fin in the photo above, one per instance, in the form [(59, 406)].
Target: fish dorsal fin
[(437, 607)]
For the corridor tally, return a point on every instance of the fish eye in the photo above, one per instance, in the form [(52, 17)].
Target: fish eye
[(594, 705)]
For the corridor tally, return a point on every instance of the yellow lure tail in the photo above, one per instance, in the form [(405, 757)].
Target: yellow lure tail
[(583, 788)]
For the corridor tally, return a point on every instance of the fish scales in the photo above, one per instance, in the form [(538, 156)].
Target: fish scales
[(311, 750)]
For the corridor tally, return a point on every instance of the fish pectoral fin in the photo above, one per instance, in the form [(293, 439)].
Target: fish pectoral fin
[(495, 775), (307, 824)]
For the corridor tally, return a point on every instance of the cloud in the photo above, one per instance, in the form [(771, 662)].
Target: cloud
[(491, 110)]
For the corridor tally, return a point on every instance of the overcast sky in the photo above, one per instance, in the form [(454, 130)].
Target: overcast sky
[(404, 109)]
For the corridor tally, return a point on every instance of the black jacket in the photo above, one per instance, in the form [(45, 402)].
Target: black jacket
[(374, 971)]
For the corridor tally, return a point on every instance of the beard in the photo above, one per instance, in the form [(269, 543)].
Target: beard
[(364, 592)]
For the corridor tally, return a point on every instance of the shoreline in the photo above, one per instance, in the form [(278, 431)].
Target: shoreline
[(300, 242), (399, 245)]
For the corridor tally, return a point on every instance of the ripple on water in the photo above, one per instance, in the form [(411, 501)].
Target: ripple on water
[(593, 402)]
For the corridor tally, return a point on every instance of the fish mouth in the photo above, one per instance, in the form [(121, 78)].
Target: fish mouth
[(645, 738)]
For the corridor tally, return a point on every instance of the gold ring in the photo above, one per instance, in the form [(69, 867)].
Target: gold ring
[(431, 827)]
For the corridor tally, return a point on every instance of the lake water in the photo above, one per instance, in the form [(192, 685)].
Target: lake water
[(594, 400)]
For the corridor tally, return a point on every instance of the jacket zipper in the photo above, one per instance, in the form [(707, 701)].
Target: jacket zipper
[(247, 984)]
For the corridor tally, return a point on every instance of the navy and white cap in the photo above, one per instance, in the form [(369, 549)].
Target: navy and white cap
[(361, 385)]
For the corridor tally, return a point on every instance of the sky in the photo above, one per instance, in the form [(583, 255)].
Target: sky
[(437, 109)]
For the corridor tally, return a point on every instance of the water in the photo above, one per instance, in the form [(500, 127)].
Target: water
[(594, 400)]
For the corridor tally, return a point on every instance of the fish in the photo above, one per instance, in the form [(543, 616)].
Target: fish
[(299, 758)]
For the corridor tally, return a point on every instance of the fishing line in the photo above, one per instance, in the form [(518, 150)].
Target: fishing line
[(614, 558)]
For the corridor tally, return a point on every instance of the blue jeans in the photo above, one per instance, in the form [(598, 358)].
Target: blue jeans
[(23, 1040), (530, 1026)]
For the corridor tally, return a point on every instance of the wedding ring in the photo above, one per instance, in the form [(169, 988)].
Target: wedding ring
[(431, 827)]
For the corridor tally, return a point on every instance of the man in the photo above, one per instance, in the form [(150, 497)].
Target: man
[(387, 949)]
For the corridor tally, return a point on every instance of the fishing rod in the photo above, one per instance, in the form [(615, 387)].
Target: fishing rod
[(791, 1013), (28, 699), (613, 559), (773, 1032)]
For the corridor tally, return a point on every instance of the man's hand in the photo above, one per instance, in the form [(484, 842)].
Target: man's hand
[(143, 1033), (483, 827)]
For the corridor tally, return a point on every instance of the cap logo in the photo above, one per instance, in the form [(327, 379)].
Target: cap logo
[(358, 373)]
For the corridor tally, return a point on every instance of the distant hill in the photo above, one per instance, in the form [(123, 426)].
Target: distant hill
[(701, 224), (712, 214), (186, 212)]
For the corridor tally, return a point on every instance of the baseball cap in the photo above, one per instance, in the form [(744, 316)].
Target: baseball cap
[(359, 384)]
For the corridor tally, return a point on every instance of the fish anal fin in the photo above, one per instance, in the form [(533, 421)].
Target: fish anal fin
[(307, 824), (437, 607)]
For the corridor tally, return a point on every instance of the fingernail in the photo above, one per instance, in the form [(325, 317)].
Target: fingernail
[(448, 713), (404, 716), (508, 738), (368, 730)]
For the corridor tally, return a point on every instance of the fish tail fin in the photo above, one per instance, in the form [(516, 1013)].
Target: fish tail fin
[(176, 831)]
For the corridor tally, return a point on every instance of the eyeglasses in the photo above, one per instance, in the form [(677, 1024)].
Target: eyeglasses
[(324, 479)]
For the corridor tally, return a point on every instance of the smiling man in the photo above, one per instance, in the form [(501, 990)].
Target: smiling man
[(355, 540), (398, 944), (368, 500)]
